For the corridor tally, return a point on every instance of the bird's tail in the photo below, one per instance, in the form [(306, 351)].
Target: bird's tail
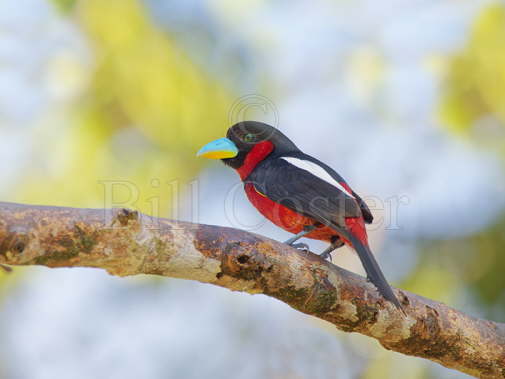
[(373, 271)]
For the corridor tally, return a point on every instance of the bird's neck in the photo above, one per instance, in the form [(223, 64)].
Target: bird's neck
[(257, 154)]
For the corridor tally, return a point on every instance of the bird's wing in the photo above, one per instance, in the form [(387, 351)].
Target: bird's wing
[(308, 192), (303, 159), (367, 214), (304, 188)]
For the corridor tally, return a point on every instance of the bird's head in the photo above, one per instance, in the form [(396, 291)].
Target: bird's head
[(247, 141)]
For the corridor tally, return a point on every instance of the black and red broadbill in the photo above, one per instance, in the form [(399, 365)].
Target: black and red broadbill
[(298, 193)]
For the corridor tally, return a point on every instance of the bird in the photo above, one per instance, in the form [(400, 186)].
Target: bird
[(299, 193)]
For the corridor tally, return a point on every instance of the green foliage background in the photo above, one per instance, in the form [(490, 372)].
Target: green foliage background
[(147, 110), (473, 108)]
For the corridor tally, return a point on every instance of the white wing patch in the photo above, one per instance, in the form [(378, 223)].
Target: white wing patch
[(318, 171)]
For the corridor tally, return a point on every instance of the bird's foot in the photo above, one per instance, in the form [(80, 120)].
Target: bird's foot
[(326, 255), (301, 246), (306, 230)]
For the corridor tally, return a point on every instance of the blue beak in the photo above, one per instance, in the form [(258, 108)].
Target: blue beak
[(219, 149)]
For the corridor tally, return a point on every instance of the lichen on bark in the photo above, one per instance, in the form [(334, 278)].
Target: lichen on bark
[(124, 243)]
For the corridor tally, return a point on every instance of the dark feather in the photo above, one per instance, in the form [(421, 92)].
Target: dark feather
[(367, 215), (300, 190), (313, 197), (372, 269)]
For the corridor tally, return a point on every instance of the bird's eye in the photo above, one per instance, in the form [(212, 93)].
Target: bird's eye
[(249, 138)]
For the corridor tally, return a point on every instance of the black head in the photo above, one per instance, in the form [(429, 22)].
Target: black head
[(245, 137), (247, 134)]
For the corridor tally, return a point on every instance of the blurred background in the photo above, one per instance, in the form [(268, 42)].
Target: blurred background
[(405, 99)]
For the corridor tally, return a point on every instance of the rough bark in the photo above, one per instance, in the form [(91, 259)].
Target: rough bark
[(129, 243)]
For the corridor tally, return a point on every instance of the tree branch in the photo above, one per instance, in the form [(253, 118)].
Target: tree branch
[(129, 243)]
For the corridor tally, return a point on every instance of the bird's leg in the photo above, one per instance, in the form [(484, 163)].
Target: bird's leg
[(335, 244), (306, 230)]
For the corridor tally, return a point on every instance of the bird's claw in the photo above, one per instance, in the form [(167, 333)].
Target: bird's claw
[(326, 255), (301, 246)]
